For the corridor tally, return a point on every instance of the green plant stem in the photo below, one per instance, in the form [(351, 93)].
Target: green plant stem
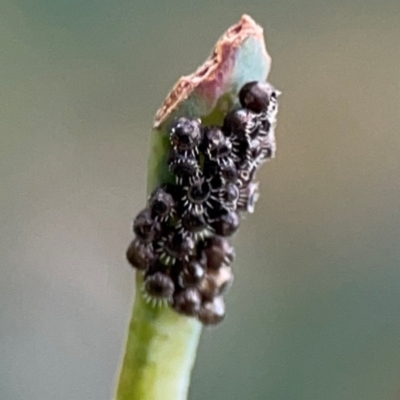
[(161, 345), (160, 353)]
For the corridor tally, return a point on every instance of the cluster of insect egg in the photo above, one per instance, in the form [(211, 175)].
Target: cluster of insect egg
[(181, 242)]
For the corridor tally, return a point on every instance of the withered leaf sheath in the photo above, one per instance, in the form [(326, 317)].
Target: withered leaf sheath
[(181, 242)]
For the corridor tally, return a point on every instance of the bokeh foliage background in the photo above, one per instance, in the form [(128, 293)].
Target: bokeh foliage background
[(314, 312)]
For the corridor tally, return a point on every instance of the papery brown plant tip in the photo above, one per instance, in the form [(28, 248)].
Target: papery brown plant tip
[(206, 77)]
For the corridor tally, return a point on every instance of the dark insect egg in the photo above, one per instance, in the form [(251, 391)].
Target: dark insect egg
[(194, 224), (145, 227), (199, 192), (224, 172), (187, 302), (223, 278), (211, 169), (246, 173), (216, 282), (214, 210), (200, 255), (239, 151), (235, 123), (259, 150), (227, 224), (212, 137), (265, 125), (229, 195), (216, 183), (167, 228), (248, 196), (255, 150), (156, 266), (228, 171), (140, 255), (208, 287), (212, 312), (256, 96), (186, 134), (161, 204), (239, 124), (175, 246), (192, 272), (267, 145), (218, 252), (183, 166), (172, 189), (159, 286), (216, 145), (196, 196)]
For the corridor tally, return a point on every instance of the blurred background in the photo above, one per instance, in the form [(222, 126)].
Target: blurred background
[(315, 309)]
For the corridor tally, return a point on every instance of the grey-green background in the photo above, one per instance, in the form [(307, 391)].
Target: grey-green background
[(315, 310)]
